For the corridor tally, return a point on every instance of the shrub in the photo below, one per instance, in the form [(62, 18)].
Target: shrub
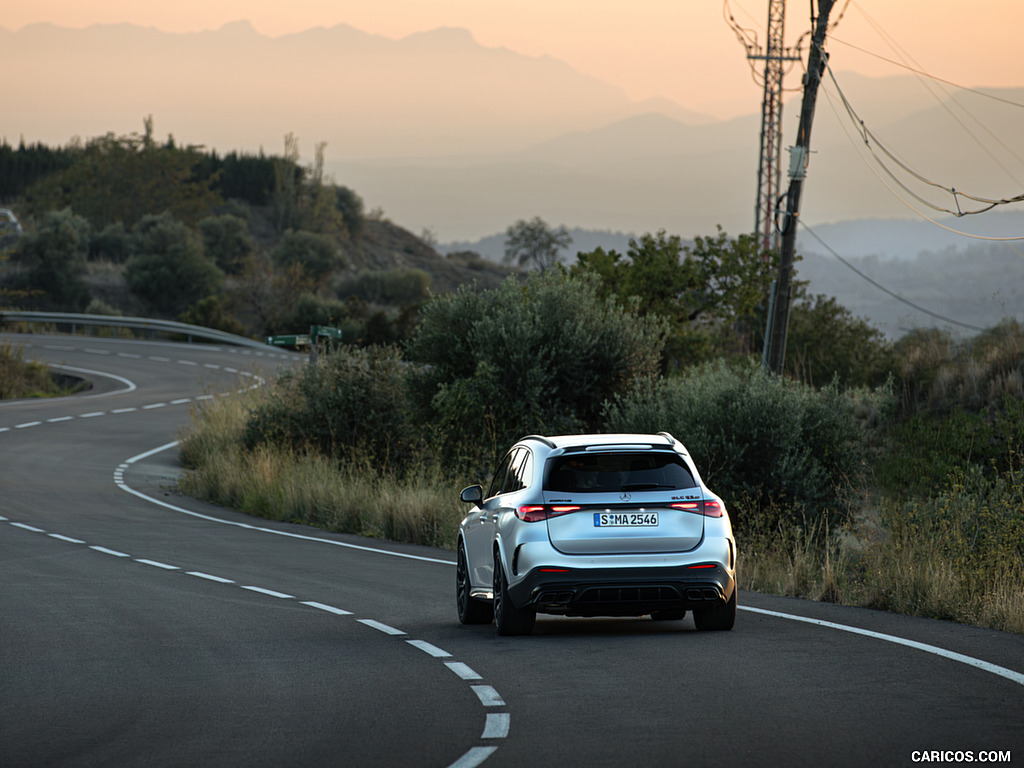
[(351, 406), (535, 357), (783, 451)]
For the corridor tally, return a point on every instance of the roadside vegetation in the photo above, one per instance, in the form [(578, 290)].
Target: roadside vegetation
[(21, 378), (873, 473)]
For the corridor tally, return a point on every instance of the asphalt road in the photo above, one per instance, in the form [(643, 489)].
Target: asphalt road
[(142, 628)]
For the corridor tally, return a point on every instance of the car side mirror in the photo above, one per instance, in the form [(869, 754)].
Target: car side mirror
[(474, 494)]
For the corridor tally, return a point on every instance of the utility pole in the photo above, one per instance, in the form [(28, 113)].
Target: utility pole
[(768, 169), (778, 322)]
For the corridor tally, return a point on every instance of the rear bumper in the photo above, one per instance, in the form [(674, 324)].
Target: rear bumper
[(621, 591)]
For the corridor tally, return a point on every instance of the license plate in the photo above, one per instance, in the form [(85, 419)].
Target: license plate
[(625, 519)]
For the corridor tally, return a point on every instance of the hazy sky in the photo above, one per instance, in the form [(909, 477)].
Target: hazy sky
[(680, 49)]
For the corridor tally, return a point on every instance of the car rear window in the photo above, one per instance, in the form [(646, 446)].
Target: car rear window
[(614, 472)]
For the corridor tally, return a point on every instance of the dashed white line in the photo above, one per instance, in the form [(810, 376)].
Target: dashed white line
[(156, 564), (270, 592), (381, 627), (433, 650), (151, 406), (181, 401), (91, 415), (156, 359), (124, 410), (28, 527), (187, 362), (474, 757), (488, 696), (65, 538), (59, 418), (106, 551), (210, 577), (496, 726), (462, 670), (28, 424), (328, 608)]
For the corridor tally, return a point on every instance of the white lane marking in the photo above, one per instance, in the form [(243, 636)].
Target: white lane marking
[(1009, 674), (65, 538), (249, 526), (433, 650), (387, 630), (3, 519), (210, 577), (181, 401), (28, 424), (129, 355), (96, 351), (328, 608), (474, 757), (151, 406), (28, 527), (113, 552), (496, 726), (463, 670), (124, 410), (488, 696), (59, 418), (156, 359), (5, 429), (129, 385), (156, 564), (187, 362), (92, 415), (270, 592)]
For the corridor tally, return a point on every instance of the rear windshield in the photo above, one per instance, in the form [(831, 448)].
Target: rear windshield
[(616, 472)]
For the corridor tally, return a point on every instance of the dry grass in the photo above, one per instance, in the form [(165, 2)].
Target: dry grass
[(295, 486), (21, 378)]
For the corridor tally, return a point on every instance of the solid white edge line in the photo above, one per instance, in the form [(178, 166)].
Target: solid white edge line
[(129, 385), (488, 696), (463, 670), (496, 726), (474, 757), (1009, 674), (251, 527), (429, 648), (381, 627)]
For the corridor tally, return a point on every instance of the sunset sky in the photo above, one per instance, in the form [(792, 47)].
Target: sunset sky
[(680, 49)]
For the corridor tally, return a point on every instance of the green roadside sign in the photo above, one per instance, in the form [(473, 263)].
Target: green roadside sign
[(303, 339)]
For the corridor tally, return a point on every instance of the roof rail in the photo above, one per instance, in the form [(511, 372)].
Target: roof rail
[(541, 439), (668, 437)]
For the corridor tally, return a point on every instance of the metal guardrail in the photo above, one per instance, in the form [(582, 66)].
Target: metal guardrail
[(135, 323)]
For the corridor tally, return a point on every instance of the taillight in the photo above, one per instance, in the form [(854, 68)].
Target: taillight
[(534, 513), (706, 508)]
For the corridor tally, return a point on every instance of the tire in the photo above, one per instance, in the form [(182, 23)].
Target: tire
[(471, 610), (669, 614), (507, 618), (718, 617)]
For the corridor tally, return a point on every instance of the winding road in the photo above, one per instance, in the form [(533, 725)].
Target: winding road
[(139, 627)]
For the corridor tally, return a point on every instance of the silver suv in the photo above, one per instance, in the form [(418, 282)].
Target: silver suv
[(595, 525)]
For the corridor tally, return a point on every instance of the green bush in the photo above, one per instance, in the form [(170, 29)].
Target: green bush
[(535, 357), (350, 406), (783, 451)]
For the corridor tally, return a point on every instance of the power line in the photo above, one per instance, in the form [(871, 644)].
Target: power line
[(885, 290), (904, 202)]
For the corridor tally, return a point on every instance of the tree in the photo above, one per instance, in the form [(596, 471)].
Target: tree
[(540, 356), (713, 293), (169, 269), (318, 255), (55, 257), (226, 240), (533, 243)]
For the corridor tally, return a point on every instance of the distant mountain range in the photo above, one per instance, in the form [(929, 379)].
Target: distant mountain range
[(445, 134)]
